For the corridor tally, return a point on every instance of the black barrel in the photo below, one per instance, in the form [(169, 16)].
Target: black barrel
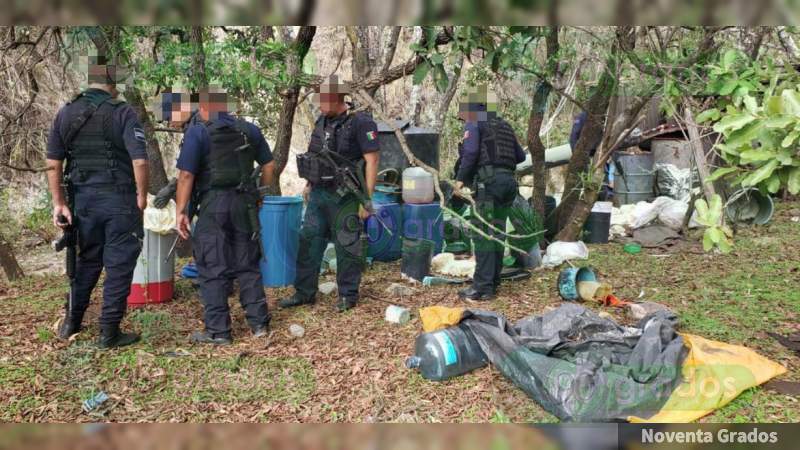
[(417, 255)]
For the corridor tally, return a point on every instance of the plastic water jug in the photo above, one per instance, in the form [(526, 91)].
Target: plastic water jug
[(446, 353), (417, 185)]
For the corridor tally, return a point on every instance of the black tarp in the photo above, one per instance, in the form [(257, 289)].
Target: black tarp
[(582, 367)]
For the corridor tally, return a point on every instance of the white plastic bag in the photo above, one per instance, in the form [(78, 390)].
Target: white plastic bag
[(643, 213), (560, 251), (673, 213), (161, 221)]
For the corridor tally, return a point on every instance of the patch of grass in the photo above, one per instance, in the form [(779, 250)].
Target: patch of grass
[(44, 334), (499, 417), (152, 322)]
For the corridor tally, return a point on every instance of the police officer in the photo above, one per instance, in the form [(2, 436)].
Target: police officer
[(332, 214), (215, 170), (103, 143), (488, 156)]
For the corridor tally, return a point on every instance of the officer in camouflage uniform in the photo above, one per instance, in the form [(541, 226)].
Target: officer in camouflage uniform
[(351, 139), (215, 170), (488, 156), (103, 143)]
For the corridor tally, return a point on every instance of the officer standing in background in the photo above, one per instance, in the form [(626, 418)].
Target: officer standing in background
[(103, 143), (215, 170), (488, 156), (352, 140)]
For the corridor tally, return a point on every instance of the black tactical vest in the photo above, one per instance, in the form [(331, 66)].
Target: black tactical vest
[(230, 160), (497, 144), (93, 155), (342, 139)]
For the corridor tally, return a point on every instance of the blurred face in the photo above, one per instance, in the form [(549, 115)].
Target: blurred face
[(331, 104), (181, 112)]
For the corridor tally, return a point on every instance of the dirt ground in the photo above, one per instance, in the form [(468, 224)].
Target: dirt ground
[(349, 367)]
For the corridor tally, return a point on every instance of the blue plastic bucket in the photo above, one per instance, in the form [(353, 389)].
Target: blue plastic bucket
[(385, 243), (569, 278), (424, 221), (280, 219), (386, 194)]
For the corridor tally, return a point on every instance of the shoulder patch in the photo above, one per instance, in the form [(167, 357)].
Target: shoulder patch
[(371, 135), (138, 133), (466, 134)]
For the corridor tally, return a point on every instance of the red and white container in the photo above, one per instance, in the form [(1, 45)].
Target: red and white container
[(154, 277)]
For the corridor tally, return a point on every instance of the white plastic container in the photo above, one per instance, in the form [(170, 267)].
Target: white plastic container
[(417, 185), (397, 314)]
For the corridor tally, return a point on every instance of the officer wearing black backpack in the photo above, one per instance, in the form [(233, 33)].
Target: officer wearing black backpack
[(216, 166), (488, 156), (105, 175)]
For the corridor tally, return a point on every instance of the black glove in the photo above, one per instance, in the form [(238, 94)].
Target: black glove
[(165, 194)]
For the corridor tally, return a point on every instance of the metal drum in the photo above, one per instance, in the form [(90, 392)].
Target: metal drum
[(633, 178)]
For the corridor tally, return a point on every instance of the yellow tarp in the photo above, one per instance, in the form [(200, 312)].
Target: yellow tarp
[(438, 317), (714, 373)]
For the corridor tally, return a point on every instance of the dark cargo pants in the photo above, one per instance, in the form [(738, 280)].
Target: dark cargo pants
[(330, 217), (109, 235), (223, 250), (493, 201)]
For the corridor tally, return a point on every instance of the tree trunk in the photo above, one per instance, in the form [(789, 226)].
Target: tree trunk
[(536, 146), (593, 130), (8, 261), (538, 107), (283, 140), (447, 97), (155, 161), (199, 61)]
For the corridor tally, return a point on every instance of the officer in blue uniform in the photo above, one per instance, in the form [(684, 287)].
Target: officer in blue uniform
[(102, 141), (217, 171), (330, 214), (488, 155)]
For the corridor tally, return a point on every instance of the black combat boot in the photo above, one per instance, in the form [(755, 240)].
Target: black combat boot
[(295, 300), (69, 327), (111, 337), (471, 295), (204, 337), (345, 303)]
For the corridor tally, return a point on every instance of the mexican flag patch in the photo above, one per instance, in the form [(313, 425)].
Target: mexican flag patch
[(371, 135)]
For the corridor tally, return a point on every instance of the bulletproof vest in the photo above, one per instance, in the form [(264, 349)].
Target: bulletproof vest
[(230, 160), (93, 155), (497, 144), (341, 139)]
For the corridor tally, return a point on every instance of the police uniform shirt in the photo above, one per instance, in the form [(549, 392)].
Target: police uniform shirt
[(197, 144), (127, 131), (471, 151), (365, 130)]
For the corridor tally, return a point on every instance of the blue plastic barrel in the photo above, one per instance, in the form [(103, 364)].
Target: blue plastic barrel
[(280, 219), (385, 243), (424, 221)]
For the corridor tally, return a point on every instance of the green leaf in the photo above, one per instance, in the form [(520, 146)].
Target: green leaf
[(437, 59), (701, 207), (724, 245), (793, 183), (714, 234), (440, 78), (708, 244), (791, 102), (750, 104), (729, 58), (773, 183), (773, 105), (790, 138), (757, 155), (784, 157), (745, 135), (733, 122), (729, 86), (760, 174), (779, 121), (421, 72), (709, 114), (715, 209), (721, 172)]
